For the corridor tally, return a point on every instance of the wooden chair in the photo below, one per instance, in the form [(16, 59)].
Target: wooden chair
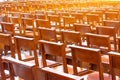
[(68, 23), (20, 69), (47, 47), (111, 31), (114, 65), (79, 17), (88, 55), (29, 29), (47, 34), (55, 21), (16, 21), (24, 44), (100, 42), (93, 20), (100, 13), (83, 28)]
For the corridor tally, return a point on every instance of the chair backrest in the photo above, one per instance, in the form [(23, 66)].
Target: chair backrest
[(47, 34), (17, 23), (98, 41), (54, 20), (93, 19), (6, 40), (82, 28), (53, 48), (7, 27), (111, 23), (3, 18), (15, 14), (28, 25), (21, 69), (111, 31), (68, 22), (88, 55), (27, 15), (111, 15), (25, 43), (79, 17), (114, 64), (39, 12), (71, 37), (43, 23)]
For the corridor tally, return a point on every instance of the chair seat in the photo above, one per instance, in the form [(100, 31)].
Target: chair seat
[(95, 76)]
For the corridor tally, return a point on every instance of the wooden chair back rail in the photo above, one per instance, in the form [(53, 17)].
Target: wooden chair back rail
[(51, 48), (29, 44), (98, 40), (71, 37), (47, 34), (111, 31), (85, 54)]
